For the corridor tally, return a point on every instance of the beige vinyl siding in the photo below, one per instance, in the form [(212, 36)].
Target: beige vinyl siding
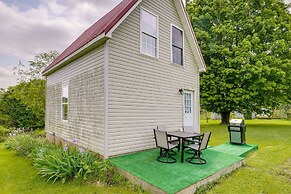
[(86, 106), (143, 90)]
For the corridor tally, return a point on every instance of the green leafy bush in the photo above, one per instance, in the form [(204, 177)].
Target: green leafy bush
[(38, 133), (67, 164), (23, 105), (64, 163), (74, 163), (4, 133)]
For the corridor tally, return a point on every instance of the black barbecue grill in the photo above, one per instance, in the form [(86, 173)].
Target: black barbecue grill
[(237, 130)]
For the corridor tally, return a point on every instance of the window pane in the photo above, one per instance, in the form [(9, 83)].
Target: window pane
[(65, 91), (65, 95), (177, 37), (149, 45), (64, 100), (177, 55), (65, 111), (149, 23)]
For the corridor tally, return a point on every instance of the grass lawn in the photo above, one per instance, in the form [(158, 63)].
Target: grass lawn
[(267, 170), (17, 175)]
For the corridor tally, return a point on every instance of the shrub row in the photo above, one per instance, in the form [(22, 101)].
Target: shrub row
[(3, 133), (64, 163)]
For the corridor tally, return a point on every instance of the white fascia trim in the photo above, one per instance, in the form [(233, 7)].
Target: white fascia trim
[(195, 48), (109, 34), (99, 37), (106, 90)]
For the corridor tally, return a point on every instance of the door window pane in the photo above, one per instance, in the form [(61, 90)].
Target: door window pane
[(187, 103)]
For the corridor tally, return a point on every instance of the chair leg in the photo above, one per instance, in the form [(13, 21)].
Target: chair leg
[(166, 157), (196, 156), (172, 152), (189, 151)]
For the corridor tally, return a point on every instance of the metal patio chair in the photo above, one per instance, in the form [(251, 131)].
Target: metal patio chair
[(165, 146), (190, 129), (172, 141), (197, 146)]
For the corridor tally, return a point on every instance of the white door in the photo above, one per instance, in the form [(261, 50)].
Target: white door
[(188, 115)]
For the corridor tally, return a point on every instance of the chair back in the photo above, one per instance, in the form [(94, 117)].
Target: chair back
[(205, 140), (162, 127), (161, 139), (189, 129)]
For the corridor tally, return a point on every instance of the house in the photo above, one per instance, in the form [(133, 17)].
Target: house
[(135, 68)]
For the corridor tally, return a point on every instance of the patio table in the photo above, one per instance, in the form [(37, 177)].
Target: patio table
[(181, 135)]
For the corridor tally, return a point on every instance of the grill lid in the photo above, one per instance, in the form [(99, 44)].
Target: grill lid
[(236, 122)]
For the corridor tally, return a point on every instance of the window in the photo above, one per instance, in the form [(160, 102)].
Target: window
[(149, 33), (65, 96), (177, 46)]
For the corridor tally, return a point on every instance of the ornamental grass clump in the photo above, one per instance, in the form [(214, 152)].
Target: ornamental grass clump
[(23, 144)]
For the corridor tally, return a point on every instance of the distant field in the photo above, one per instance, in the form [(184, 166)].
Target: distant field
[(268, 170)]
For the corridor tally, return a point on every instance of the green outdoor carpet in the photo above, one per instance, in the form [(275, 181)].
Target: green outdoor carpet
[(238, 150), (174, 177)]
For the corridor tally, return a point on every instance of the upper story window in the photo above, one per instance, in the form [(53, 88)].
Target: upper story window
[(65, 98), (149, 33), (177, 46)]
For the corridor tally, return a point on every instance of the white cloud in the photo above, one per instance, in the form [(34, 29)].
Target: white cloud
[(7, 78), (52, 25), (28, 29)]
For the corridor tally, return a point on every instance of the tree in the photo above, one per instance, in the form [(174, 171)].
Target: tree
[(32, 95), (16, 113), (35, 67), (23, 105), (246, 47)]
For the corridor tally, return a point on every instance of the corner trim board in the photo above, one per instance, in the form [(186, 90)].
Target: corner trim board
[(106, 68)]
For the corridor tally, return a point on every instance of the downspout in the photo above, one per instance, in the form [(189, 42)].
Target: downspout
[(106, 68)]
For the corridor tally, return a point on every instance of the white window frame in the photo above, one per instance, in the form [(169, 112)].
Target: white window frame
[(65, 87), (157, 38), (171, 45)]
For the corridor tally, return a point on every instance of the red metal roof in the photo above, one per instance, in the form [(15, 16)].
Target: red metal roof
[(105, 24)]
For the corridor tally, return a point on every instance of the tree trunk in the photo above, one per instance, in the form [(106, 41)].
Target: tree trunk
[(248, 115), (225, 117)]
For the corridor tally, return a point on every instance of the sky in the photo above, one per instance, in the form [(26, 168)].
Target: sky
[(30, 27)]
